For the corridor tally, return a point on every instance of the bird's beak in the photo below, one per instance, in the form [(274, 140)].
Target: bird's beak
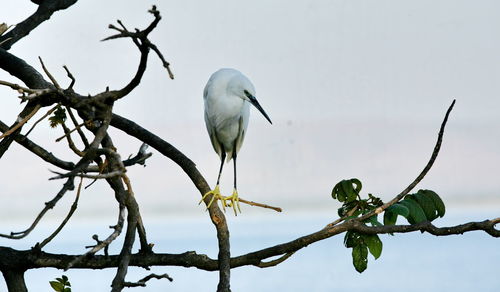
[(254, 101)]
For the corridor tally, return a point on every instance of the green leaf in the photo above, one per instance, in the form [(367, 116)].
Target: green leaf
[(57, 286), (374, 244), (427, 205), (416, 213), (390, 217), (351, 239), (360, 257), (399, 210), (438, 203), (391, 213), (67, 289), (344, 191), (374, 221), (58, 117)]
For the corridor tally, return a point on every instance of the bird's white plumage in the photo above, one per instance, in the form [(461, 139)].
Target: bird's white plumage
[(227, 110)]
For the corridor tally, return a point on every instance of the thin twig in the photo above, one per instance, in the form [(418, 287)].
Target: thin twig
[(70, 76), (75, 123), (117, 230), (71, 144), (49, 205), (422, 174), (18, 87), (166, 64), (22, 122), (349, 214), (96, 238), (68, 133), (70, 213), (251, 203), (275, 262), (54, 81), (142, 282), (41, 119), (107, 175)]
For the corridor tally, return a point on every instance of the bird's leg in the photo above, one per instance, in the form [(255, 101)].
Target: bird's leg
[(235, 201), (216, 195)]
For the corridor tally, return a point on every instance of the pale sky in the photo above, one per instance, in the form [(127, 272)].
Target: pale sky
[(354, 89)]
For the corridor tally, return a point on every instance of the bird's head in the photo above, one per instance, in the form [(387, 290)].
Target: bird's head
[(240, 86)]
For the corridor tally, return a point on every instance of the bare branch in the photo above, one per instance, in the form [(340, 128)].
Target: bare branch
[(422, 174), (63, 223), (70, 76), (39, 151), (66, 134), (276, 261), (71, 144), (44, 12), (75, 123), (21, 122), (54, 81), (203, 262), (142, 282), (49, 205), (216, 215), (41, 119), (251, 203), (117, 230)]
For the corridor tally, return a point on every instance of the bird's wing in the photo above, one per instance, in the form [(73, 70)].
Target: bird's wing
[(211, 126), (243, 124)]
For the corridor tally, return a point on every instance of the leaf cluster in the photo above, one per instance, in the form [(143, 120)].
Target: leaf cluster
[(425, 205), (61, 284), (348, 193), (58, 117)]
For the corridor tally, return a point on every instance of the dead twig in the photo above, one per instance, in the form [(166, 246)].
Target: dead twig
[(422, 174), (70, 213), (54, 81), (71, 131), (41, 119), (49, 205), (251, 203), (21, 122), (117, 231), (142, 282)]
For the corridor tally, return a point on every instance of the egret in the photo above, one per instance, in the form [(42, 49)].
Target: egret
[(227, 96)]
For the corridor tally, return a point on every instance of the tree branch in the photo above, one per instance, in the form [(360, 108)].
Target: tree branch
[(49, 205), (40, 259), (216, 215), (43, 13), (422, 174)]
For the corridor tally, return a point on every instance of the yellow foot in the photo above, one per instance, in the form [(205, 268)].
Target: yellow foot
[(215, 196), (234, 202)]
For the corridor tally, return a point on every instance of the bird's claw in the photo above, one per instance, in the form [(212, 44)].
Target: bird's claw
[(229, 201), (216, 195), (234, 201)]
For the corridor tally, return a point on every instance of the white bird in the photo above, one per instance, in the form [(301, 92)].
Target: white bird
[(228, 95)]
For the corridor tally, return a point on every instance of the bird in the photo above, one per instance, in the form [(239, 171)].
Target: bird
[(227, 96)]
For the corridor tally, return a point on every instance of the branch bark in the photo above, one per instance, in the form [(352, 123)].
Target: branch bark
[(43, 13)]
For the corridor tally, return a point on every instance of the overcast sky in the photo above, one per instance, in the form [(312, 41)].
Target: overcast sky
[(354, 89)]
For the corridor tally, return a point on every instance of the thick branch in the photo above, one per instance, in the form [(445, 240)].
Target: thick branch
[(37, 259), (38, 150), (216, 215), (43, 13), (15, 280)]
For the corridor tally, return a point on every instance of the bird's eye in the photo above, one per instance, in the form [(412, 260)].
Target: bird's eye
[(246, 93)]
